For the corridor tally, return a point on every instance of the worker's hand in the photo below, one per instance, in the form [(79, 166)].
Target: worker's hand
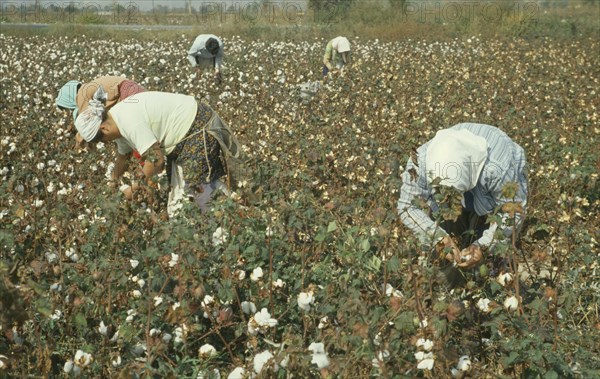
[(470, 257), (127, 192), (79, 141), (447, 243)]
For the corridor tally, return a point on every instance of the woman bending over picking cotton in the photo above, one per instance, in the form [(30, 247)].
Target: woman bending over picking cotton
[(168, 130), (478, 161)]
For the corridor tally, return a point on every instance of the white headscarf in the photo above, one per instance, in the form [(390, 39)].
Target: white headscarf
[(457, 157), (341, 44), (88, 122)]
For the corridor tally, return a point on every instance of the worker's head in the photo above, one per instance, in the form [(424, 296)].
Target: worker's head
[(212, 46), (343, 45), (88, 122), (456, 157)]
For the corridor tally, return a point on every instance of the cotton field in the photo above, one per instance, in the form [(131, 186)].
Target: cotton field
[(305, 270)]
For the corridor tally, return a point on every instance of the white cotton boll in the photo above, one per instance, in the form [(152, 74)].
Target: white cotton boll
[(102, 329), (207, 300), (82, 358), (241, 274), (157, 301), (323, 323), (391, 291), (261, 359), (425, 343), (40, 166), (219, 237), (319, 356), (426, 364), (68, 367), (257, 273), (207, 350), (278, 283), (263, 318), (381, 357), (38, 203), (248, 307), (174, 260), (305, 299), (141, 283), (116, 362), (511, 303), (134, 263), (51, 257), (167, 337), (505, 279), (420, 355), (56, 315), (484, 305), (464, 363), (136, 293)]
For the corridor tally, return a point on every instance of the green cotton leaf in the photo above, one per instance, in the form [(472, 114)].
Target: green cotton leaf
[(331, 227), (404, 322), (127, 332), (393, 264), (495, 287), (320, 237), (375, 263), (512, 357), (365, 245), (80, 321), (551, 375)]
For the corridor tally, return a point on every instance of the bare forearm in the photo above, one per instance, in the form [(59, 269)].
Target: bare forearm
[(154, 162), (120, 166)]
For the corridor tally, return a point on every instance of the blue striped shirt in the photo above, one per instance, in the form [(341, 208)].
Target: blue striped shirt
[(505, 163)]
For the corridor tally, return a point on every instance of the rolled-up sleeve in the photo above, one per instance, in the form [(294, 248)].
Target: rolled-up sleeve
[(412, 216), (327, 58), (509, 223)]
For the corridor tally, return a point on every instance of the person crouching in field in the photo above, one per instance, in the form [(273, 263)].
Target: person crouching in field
[(206, 52), (167, 129), (337, 55), (489, 172), (75, 95)]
